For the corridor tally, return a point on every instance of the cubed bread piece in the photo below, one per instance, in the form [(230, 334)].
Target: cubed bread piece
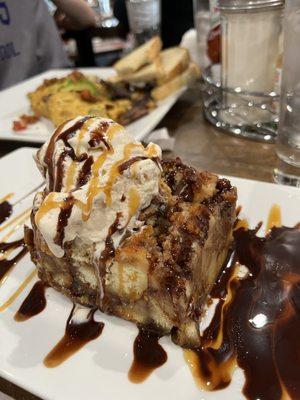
[(186, 78)]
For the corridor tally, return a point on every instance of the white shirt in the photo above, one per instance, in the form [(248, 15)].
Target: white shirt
[(29, 41)]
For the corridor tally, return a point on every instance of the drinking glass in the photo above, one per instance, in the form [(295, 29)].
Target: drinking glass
[(144, 19), (288, 140), (104, 12), (202, 22)]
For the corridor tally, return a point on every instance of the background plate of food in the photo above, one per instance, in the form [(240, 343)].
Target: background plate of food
[(137, 93)]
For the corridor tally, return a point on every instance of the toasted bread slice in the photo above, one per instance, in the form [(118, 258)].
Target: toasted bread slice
[(174, 60), (148, 73), (115, 79), (143, 55), (184, 79), (170, 63)]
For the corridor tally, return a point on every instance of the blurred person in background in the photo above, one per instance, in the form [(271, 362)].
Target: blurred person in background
[(73, 14), (29, 39), (176, 19)]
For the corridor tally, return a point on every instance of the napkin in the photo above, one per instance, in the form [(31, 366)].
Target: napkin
[(162, 138), (198, 47)]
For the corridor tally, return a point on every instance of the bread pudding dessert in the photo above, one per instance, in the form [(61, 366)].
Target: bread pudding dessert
[(117, 228)]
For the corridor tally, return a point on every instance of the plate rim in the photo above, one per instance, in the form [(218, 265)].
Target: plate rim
[(165, 105)]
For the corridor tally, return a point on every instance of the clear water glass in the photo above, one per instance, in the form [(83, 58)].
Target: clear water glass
[(144, 19), (202, 22), (104, 12), (288, 140)]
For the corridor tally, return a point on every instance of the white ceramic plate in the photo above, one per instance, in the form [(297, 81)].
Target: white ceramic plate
[(99, 370), (14, 103)]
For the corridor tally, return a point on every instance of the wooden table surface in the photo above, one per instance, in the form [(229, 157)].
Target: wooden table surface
[(201, 145)]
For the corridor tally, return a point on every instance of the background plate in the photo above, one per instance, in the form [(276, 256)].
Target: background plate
[(14, 103), (99, 370)]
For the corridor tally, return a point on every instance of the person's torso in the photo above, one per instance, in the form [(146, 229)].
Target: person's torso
[(29, 41)]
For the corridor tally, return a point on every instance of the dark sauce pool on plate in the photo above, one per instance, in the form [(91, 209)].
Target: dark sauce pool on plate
[(256, 324)]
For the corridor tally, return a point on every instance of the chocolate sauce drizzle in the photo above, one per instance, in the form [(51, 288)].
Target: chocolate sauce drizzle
[(107, 254), (85, 172), (62, 222), (97, 136), (77, 334), (5, 211), (148, 355), (5, 264), (59, 176), (34, 303), (109, 250), (257, 326), (64, 135), (125, 165), (56, 177)]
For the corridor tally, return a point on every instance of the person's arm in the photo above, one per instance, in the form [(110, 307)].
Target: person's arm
[(77, 13)]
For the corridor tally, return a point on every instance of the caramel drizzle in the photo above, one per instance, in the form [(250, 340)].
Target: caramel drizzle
[(70, 175), (6, 197), (6, 266), (86, 169), (133, 203), (48, 204), (114, 172), (19, 219), (94, 187), (241, 223), (274, 218), (18, 291), (81, 134), (109, 250), (267, 351), (216, 343), (6, 210), (7, 248), (63, 135), (70, 178), (15, 228), (219, 376)]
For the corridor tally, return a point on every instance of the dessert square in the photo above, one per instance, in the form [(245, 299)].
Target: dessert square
[(120, 230)]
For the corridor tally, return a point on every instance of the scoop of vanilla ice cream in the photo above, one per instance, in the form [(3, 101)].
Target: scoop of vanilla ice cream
[(98, 179)]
